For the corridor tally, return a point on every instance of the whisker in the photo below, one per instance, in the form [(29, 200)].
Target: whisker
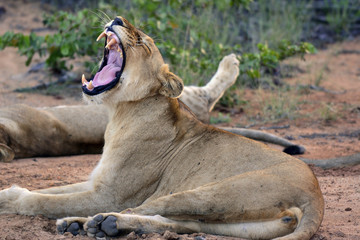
[(97, 27), (100, 25), (143, 26), (158, 39), (112, 13), (100, 17), (107, 16)]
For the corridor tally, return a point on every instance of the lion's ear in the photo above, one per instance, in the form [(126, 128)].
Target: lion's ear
[(172, 85)]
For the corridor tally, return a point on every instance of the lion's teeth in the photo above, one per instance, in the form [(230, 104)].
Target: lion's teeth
[(118, 49), (90, 86), (83, 80), (101, 36), (110, 43)]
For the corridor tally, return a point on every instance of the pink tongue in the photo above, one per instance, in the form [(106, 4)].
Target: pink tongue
[(107, 74)]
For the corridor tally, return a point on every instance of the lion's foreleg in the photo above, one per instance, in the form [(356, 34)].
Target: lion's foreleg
[(72, 188), (22, 201)]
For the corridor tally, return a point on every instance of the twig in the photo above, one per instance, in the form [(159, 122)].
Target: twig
[(275, 127), (321, 89), (352, 134), (65, 78), (346, 161)]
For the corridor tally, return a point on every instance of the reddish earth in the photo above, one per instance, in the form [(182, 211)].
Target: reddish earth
[(326, 123)]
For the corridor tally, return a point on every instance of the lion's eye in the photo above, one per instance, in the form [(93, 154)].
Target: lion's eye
[(118, 21)]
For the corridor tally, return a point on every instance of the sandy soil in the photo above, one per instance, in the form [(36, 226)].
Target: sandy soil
[(327, 124)]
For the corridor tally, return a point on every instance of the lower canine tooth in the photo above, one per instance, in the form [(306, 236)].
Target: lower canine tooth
[(90, 85)]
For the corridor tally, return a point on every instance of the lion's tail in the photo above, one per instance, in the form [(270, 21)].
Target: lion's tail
[(304, 222), (309, 221)]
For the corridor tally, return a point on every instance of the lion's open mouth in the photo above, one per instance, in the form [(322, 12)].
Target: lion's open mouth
[(111, 67)]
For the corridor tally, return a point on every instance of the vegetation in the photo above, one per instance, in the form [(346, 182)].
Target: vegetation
[(280, 105), (221, 118), (341, 14), (72, 39), (193, 36)]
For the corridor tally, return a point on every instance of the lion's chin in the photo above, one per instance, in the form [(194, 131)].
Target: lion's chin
[(111, 67)]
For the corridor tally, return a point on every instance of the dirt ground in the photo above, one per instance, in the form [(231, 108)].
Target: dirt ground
[(328, 125)]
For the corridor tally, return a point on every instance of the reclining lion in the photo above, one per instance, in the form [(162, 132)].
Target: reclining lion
[(162, 169)]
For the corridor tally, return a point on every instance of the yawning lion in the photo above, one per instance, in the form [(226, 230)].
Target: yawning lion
[(162, 169)]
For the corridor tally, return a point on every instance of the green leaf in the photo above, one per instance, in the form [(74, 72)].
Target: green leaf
[(64, 49)]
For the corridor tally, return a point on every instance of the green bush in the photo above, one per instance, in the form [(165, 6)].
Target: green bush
[(266, 59), (72, 38)]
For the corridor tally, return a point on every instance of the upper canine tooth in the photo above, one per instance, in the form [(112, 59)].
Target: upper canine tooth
[(103, 34), (110, 43), (90, 86), (118, 49), (83, 80)]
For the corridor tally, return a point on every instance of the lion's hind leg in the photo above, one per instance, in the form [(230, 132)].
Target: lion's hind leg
[(247, 205)]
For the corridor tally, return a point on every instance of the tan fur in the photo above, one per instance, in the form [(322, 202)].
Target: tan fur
[(165, 170), (27, 131)]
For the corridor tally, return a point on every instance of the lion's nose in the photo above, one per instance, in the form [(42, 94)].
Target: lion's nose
[(117, 21)]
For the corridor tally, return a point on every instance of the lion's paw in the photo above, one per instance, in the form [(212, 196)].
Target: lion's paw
[(6, 153), (230, 62), (102, 225), (229, 66), (73, 225)]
